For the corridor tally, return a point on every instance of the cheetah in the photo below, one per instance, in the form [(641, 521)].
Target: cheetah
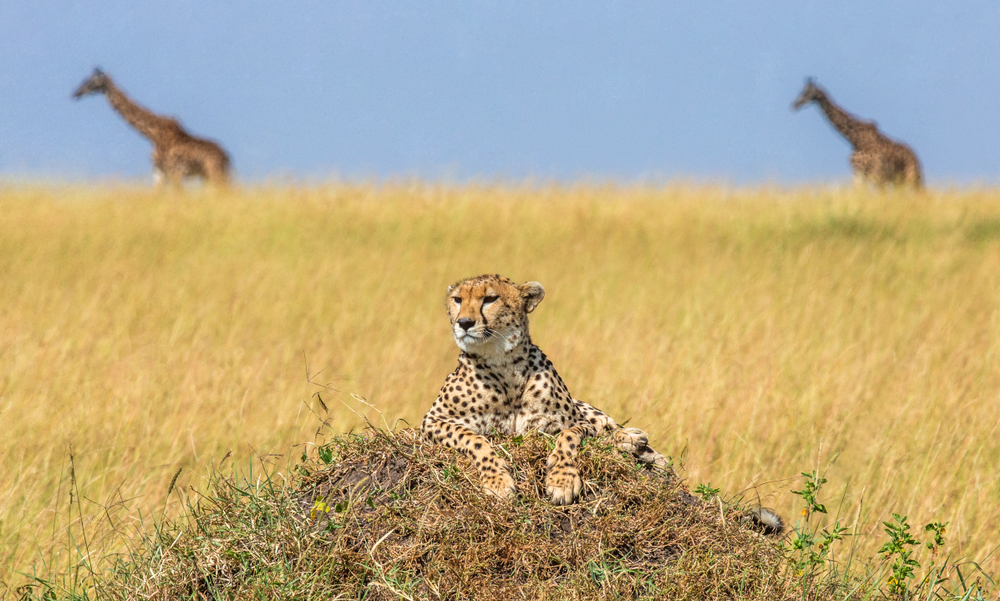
[(506, 384)]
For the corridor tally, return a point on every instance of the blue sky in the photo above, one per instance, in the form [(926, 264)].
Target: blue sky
[(503, 90)]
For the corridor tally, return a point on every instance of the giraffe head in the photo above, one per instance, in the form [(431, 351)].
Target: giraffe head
[(97, 83), (810, 93)]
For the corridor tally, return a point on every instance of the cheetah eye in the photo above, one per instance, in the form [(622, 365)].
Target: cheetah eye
[(457, 299), (489, 299)]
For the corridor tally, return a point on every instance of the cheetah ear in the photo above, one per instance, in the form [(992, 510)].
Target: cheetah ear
[(532, 293), (450, 288)]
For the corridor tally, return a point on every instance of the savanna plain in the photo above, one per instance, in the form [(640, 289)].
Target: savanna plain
[(754, 333)]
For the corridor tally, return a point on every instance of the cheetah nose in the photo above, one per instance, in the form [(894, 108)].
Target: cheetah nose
[(466, 323)]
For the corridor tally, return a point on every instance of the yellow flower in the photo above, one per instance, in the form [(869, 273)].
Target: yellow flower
[(318, 507)]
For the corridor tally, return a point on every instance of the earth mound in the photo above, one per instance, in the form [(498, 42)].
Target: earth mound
[(406, 519), (379, 515)]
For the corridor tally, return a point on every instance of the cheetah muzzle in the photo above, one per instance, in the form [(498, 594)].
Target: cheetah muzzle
[(506, 384)]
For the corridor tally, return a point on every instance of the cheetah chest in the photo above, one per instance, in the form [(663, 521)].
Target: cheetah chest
[(510, 399)]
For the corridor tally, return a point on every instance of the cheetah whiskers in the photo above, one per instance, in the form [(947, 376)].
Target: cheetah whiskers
[(490, 333)]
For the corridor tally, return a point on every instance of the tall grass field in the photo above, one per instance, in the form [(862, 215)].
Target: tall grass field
[(753, 333)]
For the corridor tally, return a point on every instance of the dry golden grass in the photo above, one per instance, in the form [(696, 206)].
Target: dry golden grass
[(753, 333)]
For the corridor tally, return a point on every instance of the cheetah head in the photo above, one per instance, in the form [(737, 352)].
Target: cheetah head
[(489, 313), (810, 93)]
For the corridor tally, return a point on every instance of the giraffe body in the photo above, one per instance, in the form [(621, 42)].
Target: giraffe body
[(876, 158), (176, 153)]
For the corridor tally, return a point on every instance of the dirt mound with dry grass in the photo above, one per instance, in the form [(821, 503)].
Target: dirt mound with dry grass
[(405, 519), (378, 515)]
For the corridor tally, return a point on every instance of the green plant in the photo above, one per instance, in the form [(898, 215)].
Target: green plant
[(814, 482), (895, 549), (451, 472), (938, 529), (813, 550), (903, 563), (810, 548), (809, 553), (706, 491)]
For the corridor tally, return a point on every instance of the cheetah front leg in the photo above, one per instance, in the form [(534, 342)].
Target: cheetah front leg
[(562, 478), (633, 441), (493, 472)]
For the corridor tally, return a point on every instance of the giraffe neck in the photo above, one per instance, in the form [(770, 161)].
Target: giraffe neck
[(152, 126), (849, 126)]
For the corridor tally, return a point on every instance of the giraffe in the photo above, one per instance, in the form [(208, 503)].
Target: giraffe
[(176, 153), (876, 158)]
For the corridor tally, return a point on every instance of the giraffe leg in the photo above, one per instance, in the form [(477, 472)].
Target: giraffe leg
[(493, 472), (159, 174), (913, 176), (176, 180), (173, 172), (216, 173), (858, 166)]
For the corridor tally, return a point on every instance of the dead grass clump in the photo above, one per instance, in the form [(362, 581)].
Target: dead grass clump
[(379, 516)]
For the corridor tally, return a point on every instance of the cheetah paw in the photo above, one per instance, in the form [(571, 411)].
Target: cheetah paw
[(631, 440), (500, 485), (563, 484), (635, 442)]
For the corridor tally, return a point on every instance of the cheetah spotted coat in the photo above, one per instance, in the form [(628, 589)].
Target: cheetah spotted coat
[(506, 384)]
